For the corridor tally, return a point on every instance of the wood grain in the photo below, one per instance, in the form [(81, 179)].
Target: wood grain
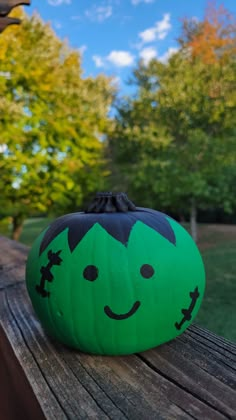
[(12, 262), (16, 395), (194, 376)]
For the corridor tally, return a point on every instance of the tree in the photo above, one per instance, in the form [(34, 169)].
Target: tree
[(51, 122), (213, 39), (177, 136)]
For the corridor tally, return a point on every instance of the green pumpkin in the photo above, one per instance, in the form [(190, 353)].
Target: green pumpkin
[(115, 279)]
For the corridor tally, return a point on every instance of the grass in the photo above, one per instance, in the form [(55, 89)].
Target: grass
[(217, 244), (32, 228), (217, 312)]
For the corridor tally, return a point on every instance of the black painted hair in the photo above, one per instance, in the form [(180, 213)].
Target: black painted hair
[(118, 225), (115, 213)]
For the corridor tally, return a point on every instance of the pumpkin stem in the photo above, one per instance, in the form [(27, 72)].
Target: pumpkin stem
[(108, 202)]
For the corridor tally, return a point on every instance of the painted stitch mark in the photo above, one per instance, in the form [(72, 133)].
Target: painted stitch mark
[(187, 313), (47, 275)]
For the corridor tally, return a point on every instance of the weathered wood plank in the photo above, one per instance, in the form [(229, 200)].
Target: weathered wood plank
[(12, 262), (193, 376), (17, 399), (211, 338), (57, 389), (169, 379), (73, 392)]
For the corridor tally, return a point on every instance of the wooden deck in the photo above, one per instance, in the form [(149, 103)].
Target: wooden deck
[(192, 377)]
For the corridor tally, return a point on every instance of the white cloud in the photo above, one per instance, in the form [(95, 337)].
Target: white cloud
[(116, 82), (3, 148), (82, 49), (57, 24), (147, 54), (148, 35), (166, 56), (98, 60), (58, 2), (76, 17), (120, 58), (116, 58), (163, 26), (158, 31), (98, 13), (135, 2), (5, 74)]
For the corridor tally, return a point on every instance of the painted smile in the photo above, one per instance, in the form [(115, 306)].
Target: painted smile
[(132, 311)]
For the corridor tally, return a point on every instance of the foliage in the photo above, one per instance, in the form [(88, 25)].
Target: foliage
[(176, 139), (51, 123), (213, 39)]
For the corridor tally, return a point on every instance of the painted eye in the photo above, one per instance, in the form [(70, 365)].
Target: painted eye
[(90, 272), (147, 271)]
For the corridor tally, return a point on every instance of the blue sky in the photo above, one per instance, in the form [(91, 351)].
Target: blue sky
[(113, 34)]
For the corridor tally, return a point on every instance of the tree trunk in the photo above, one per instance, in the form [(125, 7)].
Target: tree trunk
[(182, 218), (193, 220), (17, 225)]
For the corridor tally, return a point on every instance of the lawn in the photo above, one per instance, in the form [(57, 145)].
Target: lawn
[(217, 244), (32, 227), (218, 310)]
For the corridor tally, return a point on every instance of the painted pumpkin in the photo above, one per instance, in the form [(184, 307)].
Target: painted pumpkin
[(115, 279)]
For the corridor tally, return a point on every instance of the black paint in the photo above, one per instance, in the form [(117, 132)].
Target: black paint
[(147, 271), (120, 317), (90, 272), (117, 224), (108, 202), (187, 313), (54, 259)]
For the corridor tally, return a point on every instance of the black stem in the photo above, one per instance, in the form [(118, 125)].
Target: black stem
[(108, 202)]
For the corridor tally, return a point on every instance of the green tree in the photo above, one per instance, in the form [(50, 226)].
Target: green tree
[(51, 122), (177, 136)]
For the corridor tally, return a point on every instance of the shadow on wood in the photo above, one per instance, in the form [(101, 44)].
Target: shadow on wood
[(17, 398)]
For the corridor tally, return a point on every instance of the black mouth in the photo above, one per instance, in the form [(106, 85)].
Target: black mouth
[(132, 311)]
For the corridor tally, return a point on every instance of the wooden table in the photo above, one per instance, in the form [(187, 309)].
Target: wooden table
[(194, 376)]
